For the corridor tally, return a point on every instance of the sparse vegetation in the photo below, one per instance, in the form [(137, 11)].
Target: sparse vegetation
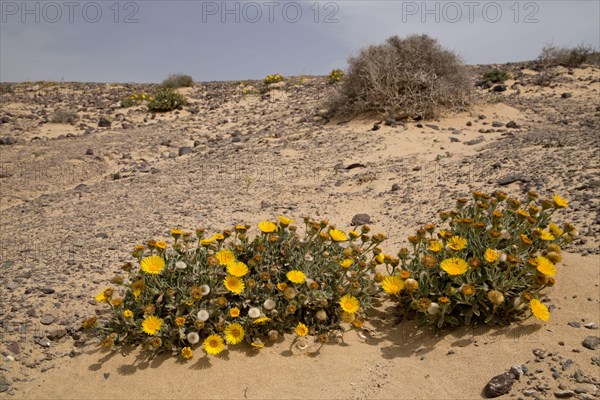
[(335, 76), (275, 78), (6, 88), (414, 76), (570, 57), (175, 81), (496, 76), (135, 99), (166, 99), (62, 117)]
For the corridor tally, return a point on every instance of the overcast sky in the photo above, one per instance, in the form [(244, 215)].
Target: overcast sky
[(144, 41)]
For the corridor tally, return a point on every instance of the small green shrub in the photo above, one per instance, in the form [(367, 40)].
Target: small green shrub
[(135, 99), (6, 88), (335, 76), (488, 265), (496, 76), (175, 81), (166, 99), (275, 78), (62, 117)]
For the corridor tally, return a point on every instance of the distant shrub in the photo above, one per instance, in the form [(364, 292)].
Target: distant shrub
[(496, 76), (275, 78), (62, 117), (166, 99), (335, 76), (175, 81), (413, 76), (553, 56), (135, 99), (6, 88)]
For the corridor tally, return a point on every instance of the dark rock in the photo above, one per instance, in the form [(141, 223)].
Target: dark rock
[(454, 140), (499, 385), (14, 347), (7, 140), (47, 319), (591, 342), (185, 150), (104, 122), (356, 165), (469, 123), (4, 386), (395, 187), (478, 140), (513, 125), (236, 139), (564, 394), (434, 127), (48, 290), (376, 127), (89, 152), (361, 219), (566, 95), (102, 235), (497, 124), (575, 324), (518, 371), (499, 88)]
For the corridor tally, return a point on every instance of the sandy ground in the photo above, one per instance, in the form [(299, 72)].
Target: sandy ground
[(75, 198)]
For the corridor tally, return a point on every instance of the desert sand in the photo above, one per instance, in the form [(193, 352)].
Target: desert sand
[(76, 197)]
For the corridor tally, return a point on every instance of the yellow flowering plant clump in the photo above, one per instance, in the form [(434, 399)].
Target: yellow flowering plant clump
[(208, 292), (486, 263), (135, 99), (335, 76), (274, 78)]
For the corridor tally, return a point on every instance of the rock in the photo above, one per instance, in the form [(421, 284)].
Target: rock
[(513, 125), (185, 150), (104, 122), (517, 370), (454, 140), (7, 140), (574, 324), (12, 285), (478, 140), (361, 219), (507, 180), (434, 127), (497, 124), (499, 88), (236, 139), (48, 290), (356, 165), (4, 386), (47, 319), (539, 353), (566, 95), (395, 187), (376, 127), (102, 235), (564, 394), (499, 385), (591, 342), (47, 367), (89, 152), (591, 325), (56, 334), (14, 348)]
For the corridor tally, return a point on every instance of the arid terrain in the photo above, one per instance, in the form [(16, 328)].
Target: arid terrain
[(76, 197)]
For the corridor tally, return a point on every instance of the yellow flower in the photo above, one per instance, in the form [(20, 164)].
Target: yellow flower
[(435, 246), (187, 353), (161, 245), (337, 235), (545, 266), (347, 263), (234, 284), (176, 232), (491, 255), (281, 286), (180, 321), (234, 312), (545, 235), (555, 229), (101, 298), (267, 227), (523, 213), (152, 325), (213, 344), (559, 202), (234, 333), (261, 320), (296, 276), (225, 257), (454, 266), (257, 344), (237, 268), (539, 310), (392, 284), (207, 242), (136, 293), (153, 265), (301, 329), (127, 314), (457, 243), (284, 220), (349, 304)]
